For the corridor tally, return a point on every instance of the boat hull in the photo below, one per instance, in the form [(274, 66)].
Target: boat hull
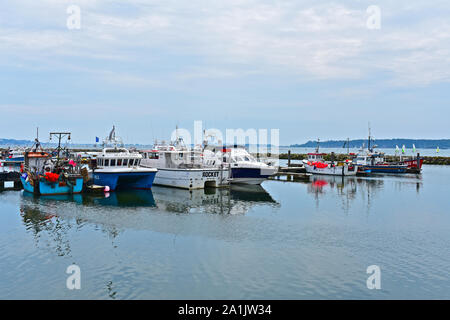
[(331, 170), (125, 180), (53, 188), (192, 178)]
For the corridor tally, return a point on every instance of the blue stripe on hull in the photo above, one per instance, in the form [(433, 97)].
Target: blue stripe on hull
[(384, 169), (16, 159), (128, 180), (248, 173)]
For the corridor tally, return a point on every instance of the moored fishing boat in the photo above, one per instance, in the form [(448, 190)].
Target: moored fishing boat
[(373, 162), (370, 161), (42, 175), (116, 167), (182, 167), (315, 164)]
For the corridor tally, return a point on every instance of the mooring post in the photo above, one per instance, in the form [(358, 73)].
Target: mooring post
[(418, 162), (289, 158)]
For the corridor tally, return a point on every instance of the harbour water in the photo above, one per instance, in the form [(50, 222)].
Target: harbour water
[(283, 240)]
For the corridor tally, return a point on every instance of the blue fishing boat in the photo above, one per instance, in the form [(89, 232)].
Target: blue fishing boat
[(39, 176), (116, 167), (44, 175), (373, 162)]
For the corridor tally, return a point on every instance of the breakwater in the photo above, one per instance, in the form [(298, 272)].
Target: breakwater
[(342, 157)]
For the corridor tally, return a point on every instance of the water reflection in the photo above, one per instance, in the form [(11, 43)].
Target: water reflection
[(233, 200), (117, 211), (348, 189)]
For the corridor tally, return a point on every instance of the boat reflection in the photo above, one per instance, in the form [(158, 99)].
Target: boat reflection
[(233, 200), (348, 189), (135, 209)]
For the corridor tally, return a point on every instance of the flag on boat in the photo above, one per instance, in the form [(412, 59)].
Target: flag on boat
[(97, 139), (403, 149)]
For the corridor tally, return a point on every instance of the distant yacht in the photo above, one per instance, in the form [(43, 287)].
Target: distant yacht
[(14, 156), (117, 167)]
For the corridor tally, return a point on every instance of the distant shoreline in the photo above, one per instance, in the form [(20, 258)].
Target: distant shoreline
[(380, 143)]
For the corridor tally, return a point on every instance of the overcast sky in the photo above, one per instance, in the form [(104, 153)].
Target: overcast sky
[(312, 69)]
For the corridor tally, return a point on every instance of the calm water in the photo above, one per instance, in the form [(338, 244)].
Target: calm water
[(285, 240)]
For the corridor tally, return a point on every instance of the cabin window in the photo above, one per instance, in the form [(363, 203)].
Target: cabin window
[(154, 155), (113, 162), (125, 162), (106, 162), (119, 162)]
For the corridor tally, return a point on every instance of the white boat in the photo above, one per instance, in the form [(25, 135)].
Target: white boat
[(244, 168), (316, 165), (182, 167), (117, 167)]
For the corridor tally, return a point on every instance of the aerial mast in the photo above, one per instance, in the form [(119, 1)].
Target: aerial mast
[(60, 136)]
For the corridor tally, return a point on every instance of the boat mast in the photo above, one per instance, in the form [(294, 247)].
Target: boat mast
[(318, 142), (348, 145)]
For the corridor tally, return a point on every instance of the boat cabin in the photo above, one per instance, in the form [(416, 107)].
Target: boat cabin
[(171, 157), (368, 159), (37, 162), (118, 157), (315, 156)]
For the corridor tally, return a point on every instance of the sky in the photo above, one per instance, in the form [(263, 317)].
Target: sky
[(312, 69)]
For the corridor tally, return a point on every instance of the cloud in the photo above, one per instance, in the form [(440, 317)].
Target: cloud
[(234, 38)]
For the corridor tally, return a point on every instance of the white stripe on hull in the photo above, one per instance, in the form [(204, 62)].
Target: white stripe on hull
[(247, 180), (191, 178), (334, 171)]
